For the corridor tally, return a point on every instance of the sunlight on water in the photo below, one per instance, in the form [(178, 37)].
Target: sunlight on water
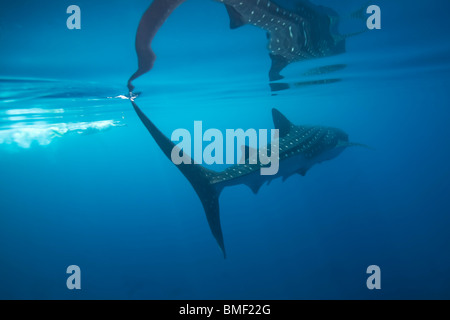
[(55, 109), (32, 111), (43, 134)]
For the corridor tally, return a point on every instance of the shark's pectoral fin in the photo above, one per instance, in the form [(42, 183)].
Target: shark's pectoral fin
[(278, 86), (278, 64), (236, 19), (301, 172), (254, 186)]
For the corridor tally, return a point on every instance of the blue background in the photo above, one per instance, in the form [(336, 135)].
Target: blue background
[(111, 203)]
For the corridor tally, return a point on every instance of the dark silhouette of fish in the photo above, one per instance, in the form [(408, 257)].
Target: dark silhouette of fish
[(300, 148), (297, 30)]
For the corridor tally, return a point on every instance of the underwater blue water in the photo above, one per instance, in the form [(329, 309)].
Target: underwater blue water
[(82, 182)]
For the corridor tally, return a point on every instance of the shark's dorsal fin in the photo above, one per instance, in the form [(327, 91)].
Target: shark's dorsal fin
[(236, 19), (281, 123), (246, 152)]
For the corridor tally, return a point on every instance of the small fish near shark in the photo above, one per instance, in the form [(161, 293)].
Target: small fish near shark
[(296, 30), (300, 148)]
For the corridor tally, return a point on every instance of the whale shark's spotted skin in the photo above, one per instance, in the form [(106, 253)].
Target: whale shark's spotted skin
[(308, 145), (305, 141), (302, 34)]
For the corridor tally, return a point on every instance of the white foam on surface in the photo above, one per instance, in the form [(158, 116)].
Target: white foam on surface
[(25, 136)]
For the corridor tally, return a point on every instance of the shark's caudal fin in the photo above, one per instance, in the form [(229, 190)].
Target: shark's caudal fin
[(151, 21), (198, 176)]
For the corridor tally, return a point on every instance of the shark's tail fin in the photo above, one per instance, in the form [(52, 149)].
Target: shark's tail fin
[(199, 177)]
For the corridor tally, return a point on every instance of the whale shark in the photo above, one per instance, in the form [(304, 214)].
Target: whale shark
[(296, 30), (300, 148)]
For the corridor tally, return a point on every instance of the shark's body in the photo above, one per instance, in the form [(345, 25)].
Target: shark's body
[(300, 148), (297, 30)]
